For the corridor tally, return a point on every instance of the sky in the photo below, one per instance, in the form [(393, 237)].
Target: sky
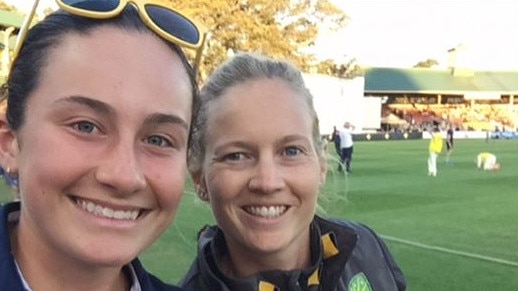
[(400, 33)]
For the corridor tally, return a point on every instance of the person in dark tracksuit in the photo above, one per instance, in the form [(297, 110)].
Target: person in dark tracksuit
[(94, 139), (256, 156), (345, 254), (449, 144), (335, 137)]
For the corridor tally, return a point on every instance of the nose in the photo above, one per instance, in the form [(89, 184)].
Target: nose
[(267, 176), (121, 170)]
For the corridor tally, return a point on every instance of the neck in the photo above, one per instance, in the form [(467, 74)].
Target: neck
[(242, 262), (44, 268)]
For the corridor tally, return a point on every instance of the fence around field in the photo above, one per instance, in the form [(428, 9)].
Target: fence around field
[(388, 136)]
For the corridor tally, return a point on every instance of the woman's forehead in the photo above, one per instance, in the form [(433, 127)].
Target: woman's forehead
[(260, 104)]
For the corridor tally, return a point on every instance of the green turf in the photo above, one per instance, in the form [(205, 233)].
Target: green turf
[(463, 209)]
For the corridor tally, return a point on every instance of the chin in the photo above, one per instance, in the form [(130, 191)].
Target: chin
[(110, 257), (113, 260), (267, 243)]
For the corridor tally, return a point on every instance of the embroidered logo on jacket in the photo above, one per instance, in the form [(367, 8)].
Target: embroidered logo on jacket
[(359, 283)]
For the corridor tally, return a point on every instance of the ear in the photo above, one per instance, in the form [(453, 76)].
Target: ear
[(8, 146), (200, 185)]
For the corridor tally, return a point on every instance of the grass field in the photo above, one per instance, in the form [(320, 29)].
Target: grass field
[(456, 231)]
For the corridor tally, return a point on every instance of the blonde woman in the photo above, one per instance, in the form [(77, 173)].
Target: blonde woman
[(257, 157)]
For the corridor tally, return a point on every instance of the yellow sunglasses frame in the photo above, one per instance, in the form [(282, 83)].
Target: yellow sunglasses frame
[(141, 7), (140, 4)]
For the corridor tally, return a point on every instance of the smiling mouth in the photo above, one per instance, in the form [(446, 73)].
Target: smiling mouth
[(266, 211), (107, 212)]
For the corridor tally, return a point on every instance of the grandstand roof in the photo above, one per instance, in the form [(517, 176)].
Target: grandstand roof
[(443, 81)]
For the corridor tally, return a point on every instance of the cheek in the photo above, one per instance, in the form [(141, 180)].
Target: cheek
[(167, 182), (223, 186), (306, 183), (46, 164), (223, 190)]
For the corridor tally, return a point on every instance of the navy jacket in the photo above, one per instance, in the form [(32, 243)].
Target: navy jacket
[(11, 281), (345, 256)]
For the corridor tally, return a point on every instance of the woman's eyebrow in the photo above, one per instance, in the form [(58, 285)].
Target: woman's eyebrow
[(96, 105), (158, 118), (106, 109)]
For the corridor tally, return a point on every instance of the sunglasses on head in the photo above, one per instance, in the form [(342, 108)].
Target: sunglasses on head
[(168, 23)]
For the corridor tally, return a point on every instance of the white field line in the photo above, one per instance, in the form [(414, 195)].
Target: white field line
[(450, 251)]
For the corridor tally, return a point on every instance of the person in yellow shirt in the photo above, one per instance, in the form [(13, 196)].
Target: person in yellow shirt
[(487, 161), (435, 148)]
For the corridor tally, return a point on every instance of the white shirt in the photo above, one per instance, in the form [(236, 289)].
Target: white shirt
[(346, 138)]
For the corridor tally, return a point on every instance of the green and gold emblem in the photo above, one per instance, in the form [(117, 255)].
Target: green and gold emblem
[(359, 283)]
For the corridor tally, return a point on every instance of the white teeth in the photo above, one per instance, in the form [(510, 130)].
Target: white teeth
[(266, 211), (108, 212)]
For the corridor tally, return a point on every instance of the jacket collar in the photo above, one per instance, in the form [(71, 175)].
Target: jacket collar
[(330, 248), (9, 275)]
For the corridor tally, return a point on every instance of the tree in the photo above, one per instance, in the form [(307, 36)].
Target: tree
[(6, 7), (7, 34), (347, 70), (427, 64), (279, 28)]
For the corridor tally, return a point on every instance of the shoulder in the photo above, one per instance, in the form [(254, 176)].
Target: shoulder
[(371, 257), (357, 228), (158, 285), (367, 246), (369, 254), (192, 279), (362, 235), (202, 274)]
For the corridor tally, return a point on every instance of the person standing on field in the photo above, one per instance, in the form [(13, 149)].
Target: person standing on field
[(435, 148), (346, 145), (335, 137), (449, 144)]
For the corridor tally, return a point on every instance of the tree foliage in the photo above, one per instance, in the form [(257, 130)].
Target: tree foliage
[(4, 52), (427, 64), (279, 28), (6, 7), (347, 70)]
